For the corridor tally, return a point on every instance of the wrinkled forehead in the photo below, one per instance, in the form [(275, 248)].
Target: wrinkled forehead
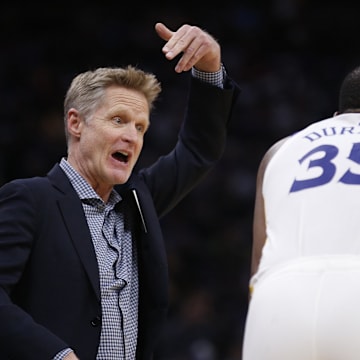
[(125, 97)]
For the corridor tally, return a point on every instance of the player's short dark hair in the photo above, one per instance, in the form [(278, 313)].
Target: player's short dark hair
[(349, 96)]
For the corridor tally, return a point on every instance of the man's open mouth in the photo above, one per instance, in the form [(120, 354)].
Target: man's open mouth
[(121, 156)]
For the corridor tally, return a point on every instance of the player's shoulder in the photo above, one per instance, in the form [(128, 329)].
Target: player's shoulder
[(274, 149)]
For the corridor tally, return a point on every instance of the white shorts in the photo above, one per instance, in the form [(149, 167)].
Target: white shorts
[(308, 309)]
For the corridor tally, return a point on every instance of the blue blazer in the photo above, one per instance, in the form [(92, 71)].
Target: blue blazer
[(49, 281)]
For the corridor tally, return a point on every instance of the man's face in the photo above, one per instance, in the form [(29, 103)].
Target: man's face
[(109, 143)]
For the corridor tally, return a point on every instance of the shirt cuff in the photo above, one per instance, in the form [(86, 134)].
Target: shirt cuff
[(214, 78), (60, 355)]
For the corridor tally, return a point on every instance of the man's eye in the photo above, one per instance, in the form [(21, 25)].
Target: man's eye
[(140, 128), (117, 120)]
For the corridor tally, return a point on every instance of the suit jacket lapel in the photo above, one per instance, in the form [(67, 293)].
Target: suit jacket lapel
[(75, 222)]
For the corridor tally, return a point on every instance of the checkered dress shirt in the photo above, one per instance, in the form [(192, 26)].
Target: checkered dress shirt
[(117, 263)]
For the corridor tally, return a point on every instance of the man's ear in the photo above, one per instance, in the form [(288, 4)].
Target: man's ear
[(74, 122)]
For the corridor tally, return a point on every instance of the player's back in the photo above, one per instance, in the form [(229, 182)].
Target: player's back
[(311, 193)]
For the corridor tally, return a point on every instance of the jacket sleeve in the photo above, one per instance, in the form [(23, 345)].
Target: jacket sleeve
[(20, 336), (201, 143)]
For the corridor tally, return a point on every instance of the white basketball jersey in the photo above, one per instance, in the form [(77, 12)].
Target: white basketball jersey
[(311, 191)]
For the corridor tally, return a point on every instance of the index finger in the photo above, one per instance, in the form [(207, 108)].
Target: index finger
[(163, 31)]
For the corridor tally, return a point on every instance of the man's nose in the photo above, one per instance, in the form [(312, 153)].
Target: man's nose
[(130, 134)]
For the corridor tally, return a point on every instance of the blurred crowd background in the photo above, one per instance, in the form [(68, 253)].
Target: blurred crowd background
[(289, 57)]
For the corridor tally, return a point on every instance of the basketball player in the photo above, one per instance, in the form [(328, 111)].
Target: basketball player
[(305, 284)]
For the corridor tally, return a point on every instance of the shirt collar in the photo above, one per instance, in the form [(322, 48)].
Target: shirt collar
[(83, 188)]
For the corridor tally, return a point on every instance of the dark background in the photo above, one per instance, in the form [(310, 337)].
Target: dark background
[(289, 57)]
